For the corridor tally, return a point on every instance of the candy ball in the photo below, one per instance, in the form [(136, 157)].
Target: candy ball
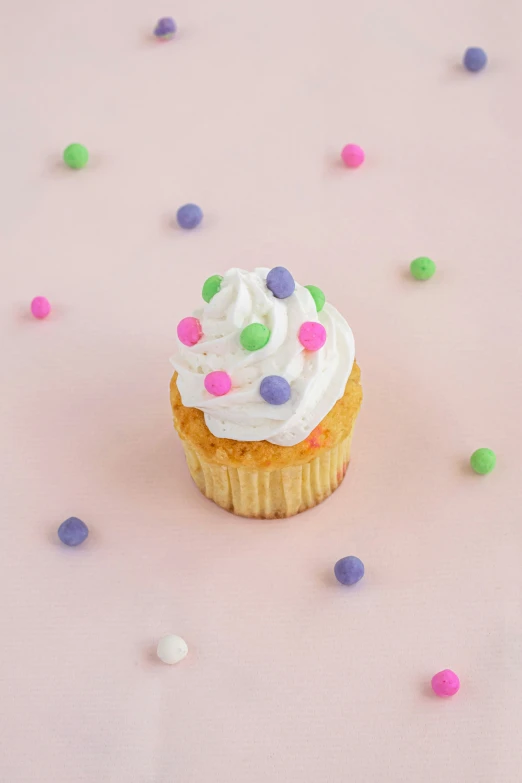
[(275, 390), (73, 531), (349, 570), (280, 282), (352, 155), (76, 156), (483, 461), (189, 331), (165, 28), (475, 59), (218, 383), (422, 268), (211, 286), (312, 335), (189, 216), (172, 649), (445, 683), (254, 337), (40, 307), (318, 297)]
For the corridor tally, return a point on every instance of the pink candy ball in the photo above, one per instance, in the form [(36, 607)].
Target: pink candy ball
[(218, 383), (189, 331), (445, 683), (40, 307), (312, 335), (352, 155)]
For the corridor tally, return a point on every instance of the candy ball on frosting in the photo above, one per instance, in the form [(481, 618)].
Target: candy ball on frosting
[(211, 287), (275, 390), (280, 282), (312, 335), (254, 337), (189, 331), (218, 383), (318, 296)]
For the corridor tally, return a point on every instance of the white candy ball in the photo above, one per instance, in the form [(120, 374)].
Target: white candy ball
[(172, 649)]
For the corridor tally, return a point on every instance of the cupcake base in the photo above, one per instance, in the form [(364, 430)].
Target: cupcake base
[(262, 480), (270, 494)]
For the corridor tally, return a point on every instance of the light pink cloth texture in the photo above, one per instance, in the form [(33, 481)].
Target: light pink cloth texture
[(290, 676)]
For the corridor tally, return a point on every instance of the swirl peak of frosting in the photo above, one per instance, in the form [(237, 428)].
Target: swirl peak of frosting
[(304, 357)]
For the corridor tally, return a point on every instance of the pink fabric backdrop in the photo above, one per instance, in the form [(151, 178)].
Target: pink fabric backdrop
[(289, 676)]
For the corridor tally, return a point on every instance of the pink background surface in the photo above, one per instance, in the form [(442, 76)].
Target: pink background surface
[(289, 677)]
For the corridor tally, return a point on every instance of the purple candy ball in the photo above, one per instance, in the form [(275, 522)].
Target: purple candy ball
[(275, 390), (73, 531), (280, 282), (475, 59), (348, 570), (165, 28), (189, 216)]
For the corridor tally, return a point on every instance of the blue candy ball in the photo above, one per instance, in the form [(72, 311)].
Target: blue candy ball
[(280, 282), (165, 28), (348, 570), (73, 531), (189, 216), (475, 58), (275, 390)]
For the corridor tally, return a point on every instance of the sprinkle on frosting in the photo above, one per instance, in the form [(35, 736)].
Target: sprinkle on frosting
[(211, 286), (254, 337), (280, 282), (312, 335), (218, 383), (275, 390), (189, 331), (318, 296), (305, 383)]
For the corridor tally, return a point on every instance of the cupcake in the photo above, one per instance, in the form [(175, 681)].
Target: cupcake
[(265, 393)]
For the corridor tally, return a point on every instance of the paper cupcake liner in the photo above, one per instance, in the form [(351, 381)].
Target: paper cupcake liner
[(270, 494)]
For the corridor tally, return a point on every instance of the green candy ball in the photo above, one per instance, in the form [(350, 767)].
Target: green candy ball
[(422, 268), (211, 286), (483, 461), (254, 337), (319, 297), (76, 156)]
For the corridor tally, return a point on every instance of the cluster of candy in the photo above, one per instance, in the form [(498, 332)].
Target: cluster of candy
[(274, 389)]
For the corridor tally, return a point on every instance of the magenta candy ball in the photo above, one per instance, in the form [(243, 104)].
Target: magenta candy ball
[(352, 155), (189, 331), (218, 383), (445, 683), (312, 335), (40, 307)]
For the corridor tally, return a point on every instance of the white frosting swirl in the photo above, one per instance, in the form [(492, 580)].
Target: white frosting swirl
[(317, 379)]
